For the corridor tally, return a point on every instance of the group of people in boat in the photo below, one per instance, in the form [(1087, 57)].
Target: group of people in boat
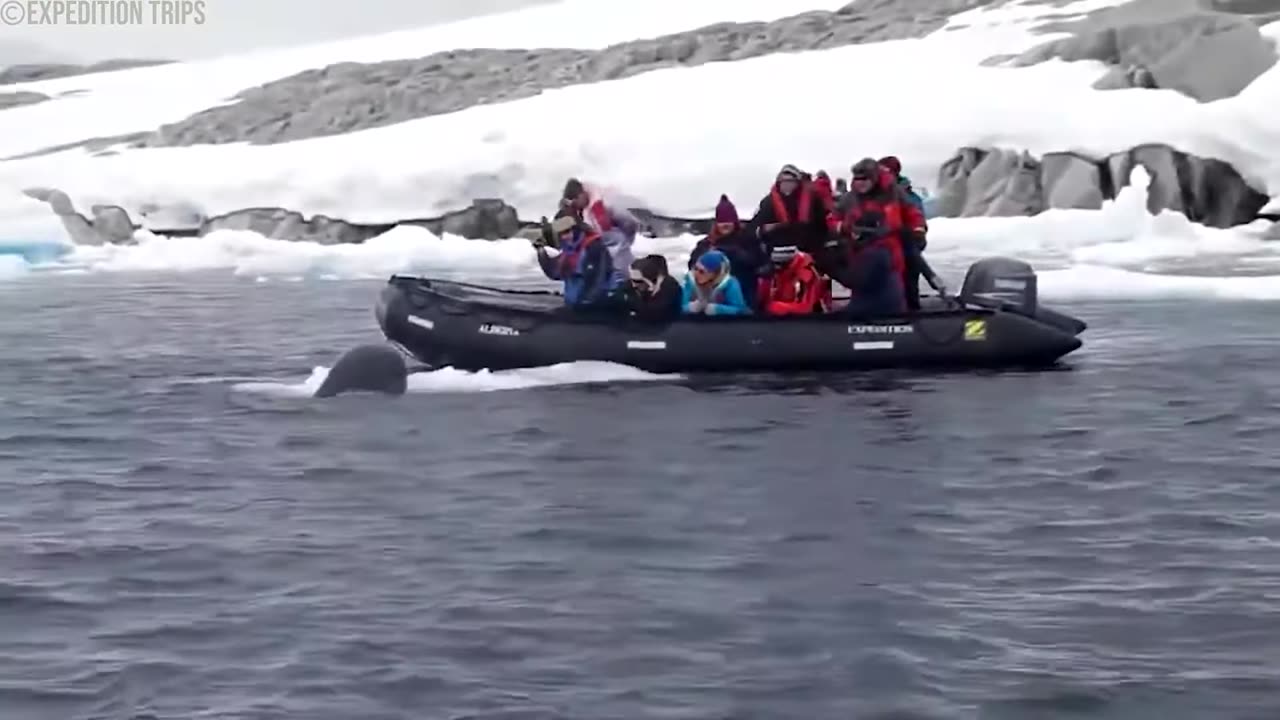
[(805, 233)]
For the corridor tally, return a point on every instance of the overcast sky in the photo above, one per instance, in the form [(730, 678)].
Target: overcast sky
[(236, 25)]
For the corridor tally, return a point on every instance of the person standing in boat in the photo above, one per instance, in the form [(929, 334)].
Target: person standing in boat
[(616, 225), (583, 264), (745, 251), (913, 246), (884, 230), (710, 289)]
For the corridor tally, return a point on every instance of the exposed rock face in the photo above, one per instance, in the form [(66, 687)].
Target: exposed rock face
[(1261, 12), (486, 219), (1205, 49), (49, 71), (975, 182), (347, 97), (78, 227), (18, 99), (1000, 183)]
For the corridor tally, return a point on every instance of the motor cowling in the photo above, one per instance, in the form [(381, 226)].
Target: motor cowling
[(1008, 283)]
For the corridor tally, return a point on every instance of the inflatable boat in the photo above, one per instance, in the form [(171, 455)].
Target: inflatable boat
[(996, 321)]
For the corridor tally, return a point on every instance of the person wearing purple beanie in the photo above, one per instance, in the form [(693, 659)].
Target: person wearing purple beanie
[(745, 251)]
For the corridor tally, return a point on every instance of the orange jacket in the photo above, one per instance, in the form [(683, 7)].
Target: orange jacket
[(793, 289)]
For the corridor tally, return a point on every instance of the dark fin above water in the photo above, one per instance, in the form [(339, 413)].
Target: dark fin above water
[(367, 368)]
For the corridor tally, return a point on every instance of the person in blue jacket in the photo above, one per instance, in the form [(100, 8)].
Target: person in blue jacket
[(710, 289), (583, 264), (894, 166)]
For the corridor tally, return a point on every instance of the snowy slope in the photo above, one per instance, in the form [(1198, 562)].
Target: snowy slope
[(638, 142), (937, 99), (143, 99)]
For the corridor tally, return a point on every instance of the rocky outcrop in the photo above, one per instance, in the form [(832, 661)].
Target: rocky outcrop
[(975, 182), (486, 219), (1261, 12), (110, 224), (348, 97), (1000, 183), (18, 99), (1205, 49), (49, 71)]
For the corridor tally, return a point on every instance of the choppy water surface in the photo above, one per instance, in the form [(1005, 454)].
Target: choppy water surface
[(1100, 542)]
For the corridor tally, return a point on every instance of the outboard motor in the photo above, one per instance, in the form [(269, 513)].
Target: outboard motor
[(1004, 283)]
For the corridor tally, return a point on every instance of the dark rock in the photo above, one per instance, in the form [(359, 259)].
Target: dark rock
[(18, 99), (1071, 181), (981, 182), (485, 219), (281, 224), (489, 219), (1261, 12), (49, 71), (78, 227), (178, 220), (113, 223), (952, 194), (975, 182), (96, 146), (1185, 45), (998, 183), (347, 97)]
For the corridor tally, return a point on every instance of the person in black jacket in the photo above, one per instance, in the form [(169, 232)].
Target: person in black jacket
[(793, 214), (745, 251), (653, 295)]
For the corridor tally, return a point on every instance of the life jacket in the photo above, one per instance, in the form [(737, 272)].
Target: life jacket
[(886, 200), (804, 209), (822, 186), (796, 282), (789, 281), (571, 261), (596, 215)]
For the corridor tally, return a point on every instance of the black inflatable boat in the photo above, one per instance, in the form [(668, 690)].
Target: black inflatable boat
[(996, 321)]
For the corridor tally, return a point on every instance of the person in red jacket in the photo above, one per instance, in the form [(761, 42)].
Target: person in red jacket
[(878, 222), (794, 287), (822, 185)]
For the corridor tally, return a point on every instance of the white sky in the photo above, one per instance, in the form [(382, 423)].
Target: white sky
[(234, 25)]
